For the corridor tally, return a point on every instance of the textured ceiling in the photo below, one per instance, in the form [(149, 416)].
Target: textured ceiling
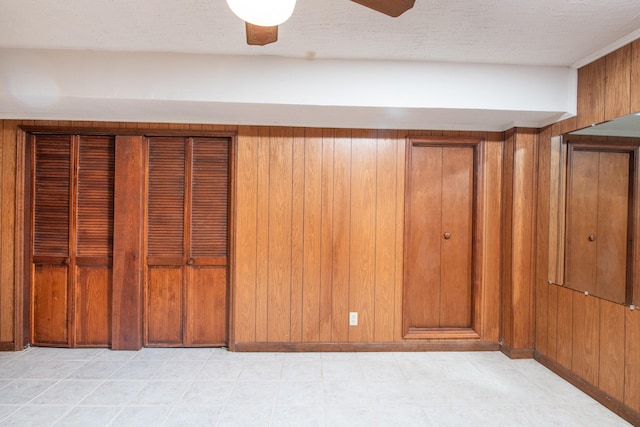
[(536, 32)]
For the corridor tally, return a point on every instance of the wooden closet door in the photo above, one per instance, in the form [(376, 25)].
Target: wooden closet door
[(94, 240), (165, 240), (188, 193), (438, 258), (72, 240), (50, 253), (208, 248)]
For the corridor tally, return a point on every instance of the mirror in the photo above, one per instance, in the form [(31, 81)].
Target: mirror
[(626, 126), (614, 133)]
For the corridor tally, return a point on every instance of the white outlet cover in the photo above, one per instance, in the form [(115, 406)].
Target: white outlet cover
[(353, 318)]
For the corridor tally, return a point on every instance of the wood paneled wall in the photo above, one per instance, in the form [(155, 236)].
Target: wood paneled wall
[(590, 341), (319, 232), (518, 240), (320, 218)]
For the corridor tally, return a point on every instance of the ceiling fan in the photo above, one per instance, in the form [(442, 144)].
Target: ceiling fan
[(263, 17)]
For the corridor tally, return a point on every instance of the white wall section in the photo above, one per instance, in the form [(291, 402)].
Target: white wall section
[(263, 90)]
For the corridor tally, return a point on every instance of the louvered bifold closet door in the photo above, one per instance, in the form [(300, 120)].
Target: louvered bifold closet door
[(165, 240), (187, 229), (72, 185), (94, 240), (208, 258), (50, 255)]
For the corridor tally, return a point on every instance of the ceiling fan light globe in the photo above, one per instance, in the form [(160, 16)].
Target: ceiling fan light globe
[(264, 13)]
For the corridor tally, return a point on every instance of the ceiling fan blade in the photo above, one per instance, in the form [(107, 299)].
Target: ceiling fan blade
[(260, 36), (392, 8)]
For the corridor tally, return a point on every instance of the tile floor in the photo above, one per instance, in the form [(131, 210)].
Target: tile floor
[(214, 387)]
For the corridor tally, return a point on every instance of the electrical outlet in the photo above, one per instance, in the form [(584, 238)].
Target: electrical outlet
[(353, 318)]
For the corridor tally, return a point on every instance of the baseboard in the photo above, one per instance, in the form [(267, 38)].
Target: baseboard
[(516, 353), (605, 399), (365, 347), (7, 346)]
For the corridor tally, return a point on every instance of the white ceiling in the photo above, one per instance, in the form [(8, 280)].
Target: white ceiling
[(540, 32), (552, 34)]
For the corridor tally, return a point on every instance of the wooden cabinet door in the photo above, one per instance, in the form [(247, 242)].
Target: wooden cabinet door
[(187, 234), (597, 223), (72, 229), (439, 235)]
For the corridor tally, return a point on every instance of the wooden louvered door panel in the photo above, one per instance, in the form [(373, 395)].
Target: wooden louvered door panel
[(439, 221), (187, 217), (72, 186), (50, 253), (94, 240)]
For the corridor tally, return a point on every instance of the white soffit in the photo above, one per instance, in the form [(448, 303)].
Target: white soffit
[(263, 90)]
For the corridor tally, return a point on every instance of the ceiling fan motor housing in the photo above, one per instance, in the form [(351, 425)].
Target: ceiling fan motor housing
[(392, 8)]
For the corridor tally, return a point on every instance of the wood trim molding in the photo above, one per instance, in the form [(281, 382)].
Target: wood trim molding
[(441, 333), (21, 294), (8, 346), (365, 347), (603, 398), (478, 237), (516, 353), (139, 131)]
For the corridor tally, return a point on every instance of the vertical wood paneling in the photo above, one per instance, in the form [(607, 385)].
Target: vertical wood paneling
[(363, 234), (128, 254), (341, 235), (611, 343), (564, 351), (8, 135), (586, 333), (632, 360), (246, 235), (491, 168), (524, 190), (280, 206), (618, 83), (326, 249), (262, 232), (398, 331), (542, 239), (552, 323), (312, 244), (297, 234), (386, 184), (591, 93), (506, 309), (635, 77)]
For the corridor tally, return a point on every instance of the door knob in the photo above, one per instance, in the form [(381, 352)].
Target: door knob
[(592, 237), (447, 235), (190, 261), (65, 261)]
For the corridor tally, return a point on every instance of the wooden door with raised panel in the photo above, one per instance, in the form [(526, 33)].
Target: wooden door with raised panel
[(187, 241), (72, 229), (438, 237)]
